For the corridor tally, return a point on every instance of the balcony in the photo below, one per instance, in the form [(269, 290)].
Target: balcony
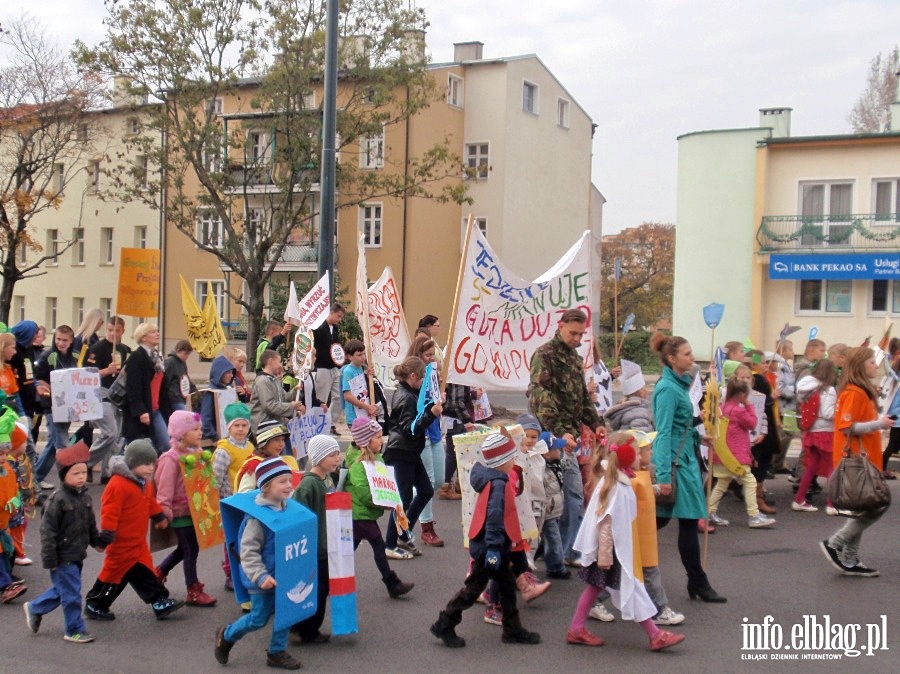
[(267, 179), (867, 231), (296, 257)]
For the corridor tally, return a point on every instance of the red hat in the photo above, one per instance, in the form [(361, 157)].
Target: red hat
[(497, 449), (77, 453)]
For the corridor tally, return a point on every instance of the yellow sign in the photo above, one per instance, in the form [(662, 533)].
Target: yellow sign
[(204, 328), (138, 293)]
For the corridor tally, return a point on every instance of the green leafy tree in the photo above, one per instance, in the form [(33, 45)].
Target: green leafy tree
[(872, 112), (255, 173)]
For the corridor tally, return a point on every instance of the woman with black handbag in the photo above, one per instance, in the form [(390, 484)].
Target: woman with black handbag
[(858, 427), (675, 455)]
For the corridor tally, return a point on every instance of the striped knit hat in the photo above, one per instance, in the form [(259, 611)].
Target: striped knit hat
[(270, 469), (497, 449)]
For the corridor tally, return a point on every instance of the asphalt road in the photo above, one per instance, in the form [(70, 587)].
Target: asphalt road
[(778, 573)]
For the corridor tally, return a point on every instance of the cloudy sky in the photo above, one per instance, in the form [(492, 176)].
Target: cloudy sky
[(648, 71)]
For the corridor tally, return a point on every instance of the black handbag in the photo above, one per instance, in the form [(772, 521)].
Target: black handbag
[(669, 499), (858, 486)]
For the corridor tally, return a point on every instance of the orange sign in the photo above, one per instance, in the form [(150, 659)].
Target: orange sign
[(203, 496), (138, 293)]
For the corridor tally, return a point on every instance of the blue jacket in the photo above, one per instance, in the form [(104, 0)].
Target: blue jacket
[(493, 534), (267, 550), (219, 368)]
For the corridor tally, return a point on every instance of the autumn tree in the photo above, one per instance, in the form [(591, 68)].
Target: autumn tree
[(872, 112), (45, 104), (256, 171), (646, 257)]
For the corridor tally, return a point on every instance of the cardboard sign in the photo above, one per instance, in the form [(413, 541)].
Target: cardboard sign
[(203, 497), (222, 398), (138, 291), (75, 394), (382, 484), (313, 309), (315, 422), (482, 407), (599, 374), (296, 564), (388, 334), (341, 566)]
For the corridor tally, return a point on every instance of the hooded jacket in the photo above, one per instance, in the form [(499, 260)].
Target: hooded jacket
[(219, 368), (630, 414)]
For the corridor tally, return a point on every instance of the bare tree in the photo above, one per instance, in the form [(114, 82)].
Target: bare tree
[(44, 112), (872, 112)]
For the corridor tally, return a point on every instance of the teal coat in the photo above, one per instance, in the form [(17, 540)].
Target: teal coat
[(673, 413)]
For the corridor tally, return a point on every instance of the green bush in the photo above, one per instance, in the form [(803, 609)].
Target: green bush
[(636, 348)]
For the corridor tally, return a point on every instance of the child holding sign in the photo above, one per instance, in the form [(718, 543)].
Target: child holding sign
[(366, 449), (258, 569)]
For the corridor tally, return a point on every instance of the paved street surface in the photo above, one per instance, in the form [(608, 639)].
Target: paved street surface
[(779, 573)]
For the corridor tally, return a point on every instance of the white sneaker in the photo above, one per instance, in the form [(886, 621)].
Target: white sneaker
[(803, 507), (599, 612), (831, 511), (398, 553), (668, 617), (43, 484), (719, 522), (760, 521), (23, 561)]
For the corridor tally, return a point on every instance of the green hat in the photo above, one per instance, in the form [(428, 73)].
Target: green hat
[(236, 411), (139, 453), (728, 368)]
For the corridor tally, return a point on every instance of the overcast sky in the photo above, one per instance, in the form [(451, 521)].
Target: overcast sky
[(648, 71)]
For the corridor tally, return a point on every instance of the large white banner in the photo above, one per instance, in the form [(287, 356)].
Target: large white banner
[(387, 326), (501, 319), (313, 309)]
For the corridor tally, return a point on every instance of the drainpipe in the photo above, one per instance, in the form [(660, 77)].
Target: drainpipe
[(163, 196), (405, 206)]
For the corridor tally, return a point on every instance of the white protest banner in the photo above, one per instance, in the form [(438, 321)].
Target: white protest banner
[(695, 393), (383, 484), (312, 310), (599, 374), (387, 326), (359, 389), (75, 394), (304, 427), (501, 319)]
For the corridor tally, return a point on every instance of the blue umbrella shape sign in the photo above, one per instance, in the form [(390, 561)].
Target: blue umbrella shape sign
[(712, 314), (629, 323)]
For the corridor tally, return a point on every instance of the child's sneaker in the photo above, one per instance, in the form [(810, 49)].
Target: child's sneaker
[(23, 561), (493, 615), (98, 613), (79, 638), (599, 612), (668, 617), (583, 637), (718, 521), (164, 607), (803, 507), (398, 553), (223, 646), (12, 591), (410, 547), (282, 660), (33, 619), (760, 521)]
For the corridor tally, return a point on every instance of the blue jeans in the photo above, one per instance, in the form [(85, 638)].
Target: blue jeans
[(433, 458), (57, 438), (553, 549), (66, 590), (160, 432), (262, 607), (573, 505)]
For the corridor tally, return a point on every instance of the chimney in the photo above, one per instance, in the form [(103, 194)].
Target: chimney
[(412, 49), (467, 51), (352, 51), (895, 107), (777, 119), (121, 94)]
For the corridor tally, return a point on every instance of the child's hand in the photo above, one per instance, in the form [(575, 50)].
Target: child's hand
[(13, 504), (437, 409), (267, 584), (164, 524)]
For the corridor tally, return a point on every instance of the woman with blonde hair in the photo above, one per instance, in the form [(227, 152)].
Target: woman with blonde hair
[(141, 417), (86, 334)]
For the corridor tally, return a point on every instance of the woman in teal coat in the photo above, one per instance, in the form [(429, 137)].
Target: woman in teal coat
[(673, 415)]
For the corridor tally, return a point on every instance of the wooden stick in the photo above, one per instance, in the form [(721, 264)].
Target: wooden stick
[(445, 364), (715, 437), (616, 319)]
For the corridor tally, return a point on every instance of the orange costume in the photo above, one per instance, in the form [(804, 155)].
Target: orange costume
[(855, 406)]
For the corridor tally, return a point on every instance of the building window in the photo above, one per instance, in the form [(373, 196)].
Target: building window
[(59, 177), (77, 312), (78, 245), (562, 113), (19, 308), (132, 126), (214, 107), (828, 296), (530, 97), (51, 313), (140, 236), (82, 132), (218, 289), (885, 297), (826, 209), (255, 219), (53, 246), (477, 160), (455, 91), (211, 153), (371, 151), (142, 172), (94, 176), (210, 231), (371, 224), (21, 253), (259, 148), (887, 199), (106, 245), (106, 307)]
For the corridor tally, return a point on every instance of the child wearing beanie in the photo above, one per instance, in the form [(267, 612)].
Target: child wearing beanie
[(257, 571), (184, 436), (324, 456), (126, 509), (271, 438), (365, 450), (231, 453), (67, 528), (493, 534)]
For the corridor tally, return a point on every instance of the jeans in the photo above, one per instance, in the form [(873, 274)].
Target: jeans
[(846, 540), (110, 428), (57, 438), (553, 549), (262, 607), (66, 590), (433, 458), (653, 583), (328, 388), (160, 432), (409, 475), (573, 505)]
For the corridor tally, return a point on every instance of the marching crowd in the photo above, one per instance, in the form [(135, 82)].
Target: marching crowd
[(597, 483)]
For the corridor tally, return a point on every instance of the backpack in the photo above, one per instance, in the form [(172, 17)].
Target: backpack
[(809, 411), (117, 391)]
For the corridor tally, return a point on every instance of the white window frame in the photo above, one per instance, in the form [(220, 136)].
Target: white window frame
[(142, 172), (218, 292), (106, 307), (823, 309), (479, 161), (94, 176), (207, 221), (77, 312), (59, 177), (81, 132), (217, 105), (371, 221), (893, 213), (132, 126), (78, 246), (19, 308), (531, 103), (21, 253), (371, 151), (52, 308), (830, 222), (53, 247), (455, 91), (140, 236), (106, 245), (562, 112), (260, 147)]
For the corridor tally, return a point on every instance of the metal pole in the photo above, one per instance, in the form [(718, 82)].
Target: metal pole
[(329, 123)]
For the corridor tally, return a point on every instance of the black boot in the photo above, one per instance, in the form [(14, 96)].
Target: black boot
[(98, 600), (444, 629), (396, 587), (706, 593), (514, 633)]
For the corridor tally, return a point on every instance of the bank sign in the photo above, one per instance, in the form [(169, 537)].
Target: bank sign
[(839, 266)]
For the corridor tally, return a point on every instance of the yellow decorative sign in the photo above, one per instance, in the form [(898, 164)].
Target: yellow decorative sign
[(138, 293)]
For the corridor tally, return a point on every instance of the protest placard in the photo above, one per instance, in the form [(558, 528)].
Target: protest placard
[(75, 394), (138, 291), (314, 422), (383, 484)]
